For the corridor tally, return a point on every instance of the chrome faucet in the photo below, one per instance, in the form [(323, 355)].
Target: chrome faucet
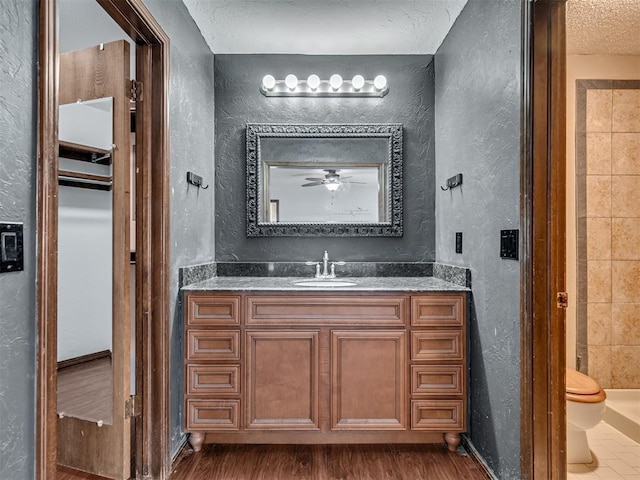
[(325, 267)]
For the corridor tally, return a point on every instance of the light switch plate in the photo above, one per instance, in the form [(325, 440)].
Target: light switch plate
[(509, 244), (458, 242), (11, 247)]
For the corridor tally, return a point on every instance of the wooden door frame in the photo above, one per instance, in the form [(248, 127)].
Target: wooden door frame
[(543, 410), (152, 455)]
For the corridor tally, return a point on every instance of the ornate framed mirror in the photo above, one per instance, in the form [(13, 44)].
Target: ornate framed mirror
[(324, 180)]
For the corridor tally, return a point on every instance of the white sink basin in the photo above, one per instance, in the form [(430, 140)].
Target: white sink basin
[(325, 283)]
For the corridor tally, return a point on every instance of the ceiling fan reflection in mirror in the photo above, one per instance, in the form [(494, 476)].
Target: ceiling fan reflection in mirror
[(331, 180)]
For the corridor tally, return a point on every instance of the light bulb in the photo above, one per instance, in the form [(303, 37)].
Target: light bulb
[(268, 82), (380, 82), (357, 82), (313, 81), (291, 81), (335, 81), (333, 186)]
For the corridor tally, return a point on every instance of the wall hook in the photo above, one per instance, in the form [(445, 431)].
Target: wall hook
[(453, 182), (196, 180)]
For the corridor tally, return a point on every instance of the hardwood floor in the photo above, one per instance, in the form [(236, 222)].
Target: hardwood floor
[(325, 462), (316, 462), (64, 473), (85, 391)]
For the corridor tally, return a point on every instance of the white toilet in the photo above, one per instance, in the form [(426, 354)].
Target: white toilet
[(585, 409)]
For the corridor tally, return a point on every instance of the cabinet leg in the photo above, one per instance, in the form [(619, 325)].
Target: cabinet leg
[(453, 440), (196, 440)]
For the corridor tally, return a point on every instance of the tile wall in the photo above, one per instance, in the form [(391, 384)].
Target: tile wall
[(610, 236)]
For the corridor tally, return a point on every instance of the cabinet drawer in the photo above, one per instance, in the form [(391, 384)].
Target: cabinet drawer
[(437, 310), (439, 415), (437, 345), (327, 310), (213, 380), (436, 380), (203, 310), (213, 414), (213, 345)]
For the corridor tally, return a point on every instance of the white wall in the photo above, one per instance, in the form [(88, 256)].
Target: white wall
[(84, 271), (583, 67)]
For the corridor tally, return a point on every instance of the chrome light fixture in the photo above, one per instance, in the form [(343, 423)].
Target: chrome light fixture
[(313, 86)]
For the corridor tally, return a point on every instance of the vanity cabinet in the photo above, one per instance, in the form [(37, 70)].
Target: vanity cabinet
[(325, 367)]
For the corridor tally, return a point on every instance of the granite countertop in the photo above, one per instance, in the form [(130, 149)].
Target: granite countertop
[(381, 284)]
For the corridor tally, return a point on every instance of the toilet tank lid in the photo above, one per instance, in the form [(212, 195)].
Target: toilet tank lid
[(581, 384)]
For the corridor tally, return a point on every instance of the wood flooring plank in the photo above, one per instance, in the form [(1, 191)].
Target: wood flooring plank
[(316, 462), (86, 391), (325, 462), (65, 473)]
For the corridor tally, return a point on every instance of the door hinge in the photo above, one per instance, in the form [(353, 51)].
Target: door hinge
[(135, 91), (563, 299), (132, 407)]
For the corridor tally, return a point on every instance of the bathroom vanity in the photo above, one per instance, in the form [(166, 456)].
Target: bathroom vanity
[(382, 360)]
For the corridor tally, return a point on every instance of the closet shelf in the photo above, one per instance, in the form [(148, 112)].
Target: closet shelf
[(68, 178), (84, 153)]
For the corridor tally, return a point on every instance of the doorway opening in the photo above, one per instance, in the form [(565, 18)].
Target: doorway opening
[(603, 229), (147, 411)]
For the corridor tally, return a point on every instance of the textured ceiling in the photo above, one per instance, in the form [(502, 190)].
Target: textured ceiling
[(603, 27), (325, 26)]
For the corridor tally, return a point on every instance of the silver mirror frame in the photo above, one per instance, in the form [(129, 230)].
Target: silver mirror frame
[(255, 176)]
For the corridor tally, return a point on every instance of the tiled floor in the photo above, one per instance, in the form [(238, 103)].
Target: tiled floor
[(615, 457)]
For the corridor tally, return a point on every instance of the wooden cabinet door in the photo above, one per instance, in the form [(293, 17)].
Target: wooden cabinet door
[(103, 447), (368, 380), (282, 379)]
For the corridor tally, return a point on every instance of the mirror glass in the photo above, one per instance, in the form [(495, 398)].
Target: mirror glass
[(331, 193), (85, 231), (325, 179)]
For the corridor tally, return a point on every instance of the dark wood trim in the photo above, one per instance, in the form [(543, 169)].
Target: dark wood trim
[(90, 357), (543, 434), (152, 450), (47, 242), (556, 346), (526, 309), (152, 456)]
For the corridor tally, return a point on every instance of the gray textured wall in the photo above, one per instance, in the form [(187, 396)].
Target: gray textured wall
[(191, 113), (410, 102), (192, 228), (478, 101), (17, 204)]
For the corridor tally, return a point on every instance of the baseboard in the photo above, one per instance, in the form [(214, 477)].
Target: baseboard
[(181, 446), (477, 458), (180, 452), (89, 357)]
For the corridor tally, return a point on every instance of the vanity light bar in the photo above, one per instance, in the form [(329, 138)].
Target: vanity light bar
[(313, 86)]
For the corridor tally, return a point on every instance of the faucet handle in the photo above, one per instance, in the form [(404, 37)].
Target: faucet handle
[(333, 268), (317, 265)]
